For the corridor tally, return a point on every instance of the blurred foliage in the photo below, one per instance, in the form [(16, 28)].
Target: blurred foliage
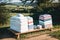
[(4, 14), (55, 34), (46, 7), (42, 7)]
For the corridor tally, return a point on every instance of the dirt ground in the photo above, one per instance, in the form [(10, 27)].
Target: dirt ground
[(6, 35), (42, 37)]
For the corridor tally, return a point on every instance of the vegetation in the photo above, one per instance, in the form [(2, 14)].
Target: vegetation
[(46, 7), (55, 34), (42, 7), (3, 15)]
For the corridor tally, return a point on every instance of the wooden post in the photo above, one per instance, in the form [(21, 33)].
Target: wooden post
[(16, 33), (18, 36)]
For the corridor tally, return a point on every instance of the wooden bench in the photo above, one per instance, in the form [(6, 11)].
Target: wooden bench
[(18, 33)]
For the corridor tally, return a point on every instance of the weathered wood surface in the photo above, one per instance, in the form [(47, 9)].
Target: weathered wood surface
[(18, 33)]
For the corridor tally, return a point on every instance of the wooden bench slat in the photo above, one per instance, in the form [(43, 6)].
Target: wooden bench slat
[(15, 32), (18, 33)]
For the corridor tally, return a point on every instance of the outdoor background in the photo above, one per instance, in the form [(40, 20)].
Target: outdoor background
[(7, 10), (42, 7)]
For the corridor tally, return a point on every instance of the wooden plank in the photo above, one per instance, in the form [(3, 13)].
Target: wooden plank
[(18, 33), (34, 30), (15, 32)]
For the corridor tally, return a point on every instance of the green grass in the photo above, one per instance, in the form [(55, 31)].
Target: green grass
[(33, 34), (4, 26), (56, 26), (55, 34)]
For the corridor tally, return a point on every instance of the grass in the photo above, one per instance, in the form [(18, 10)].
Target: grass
[(55, 34), (56, 26), (33, 34), (4, 26)]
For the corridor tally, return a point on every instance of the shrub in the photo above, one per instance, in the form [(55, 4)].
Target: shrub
[(4, 14)]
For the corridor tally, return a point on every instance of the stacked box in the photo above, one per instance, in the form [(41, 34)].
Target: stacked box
[(19, 23), (45, 20), (30, 23)]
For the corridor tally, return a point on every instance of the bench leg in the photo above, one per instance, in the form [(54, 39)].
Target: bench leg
[(51, 29), (18, 37)]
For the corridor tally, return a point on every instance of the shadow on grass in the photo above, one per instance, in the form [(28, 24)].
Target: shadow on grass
[(5, 33)]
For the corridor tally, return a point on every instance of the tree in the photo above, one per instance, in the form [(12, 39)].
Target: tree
[(44, 6)]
